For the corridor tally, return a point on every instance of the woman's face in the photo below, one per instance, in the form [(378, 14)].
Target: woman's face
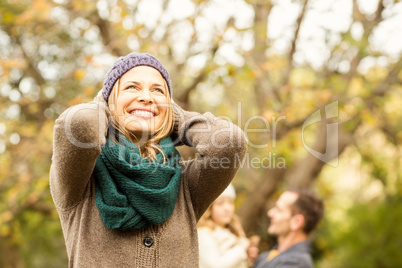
[(222, 210), (142, 101)]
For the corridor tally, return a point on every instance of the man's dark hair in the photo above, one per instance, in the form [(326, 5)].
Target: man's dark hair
[(310, 206)]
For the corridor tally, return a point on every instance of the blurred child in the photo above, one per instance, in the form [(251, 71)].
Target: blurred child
[(222, 241)]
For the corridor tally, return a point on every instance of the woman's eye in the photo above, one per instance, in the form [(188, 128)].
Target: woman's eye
[(159, 90), (131, 88)]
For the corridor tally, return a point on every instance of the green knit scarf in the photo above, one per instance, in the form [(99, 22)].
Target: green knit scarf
[(132, 192)]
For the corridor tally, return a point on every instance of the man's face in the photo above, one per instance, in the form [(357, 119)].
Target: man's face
[(281, 215)]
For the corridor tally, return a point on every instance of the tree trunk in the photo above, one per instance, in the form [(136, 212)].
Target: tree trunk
[(254, 206)]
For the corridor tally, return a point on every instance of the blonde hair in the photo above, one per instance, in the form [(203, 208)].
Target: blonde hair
[(234, 225), (150, 149)]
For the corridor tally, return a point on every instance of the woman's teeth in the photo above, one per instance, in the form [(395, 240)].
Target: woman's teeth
[(142, 113)]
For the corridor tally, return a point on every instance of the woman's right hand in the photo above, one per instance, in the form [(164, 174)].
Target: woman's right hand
[(104, 107)]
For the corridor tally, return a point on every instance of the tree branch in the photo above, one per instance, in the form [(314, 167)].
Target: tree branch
[(184, 98), (263, 88), (356, 14), (109, 38), (41, 207), (257, 58), (31, 68), (368, 27), (253, 208), (294, 42), (391, 78), (307, 170)]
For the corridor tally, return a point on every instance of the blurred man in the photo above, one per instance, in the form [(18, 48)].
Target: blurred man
[(294, 216)]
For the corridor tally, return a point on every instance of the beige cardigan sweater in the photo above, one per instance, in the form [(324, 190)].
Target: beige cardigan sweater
[(79, 134)]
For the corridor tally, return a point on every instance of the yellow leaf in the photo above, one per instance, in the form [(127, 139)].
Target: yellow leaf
[(5, 230), (79, 74), (75, 101), (325, 95), (34, 108), (14, 63), (8, 17), (41, 9), (25, 177), (268, 114), (89, 91), (88, 59), (33, 197), (6, 216)]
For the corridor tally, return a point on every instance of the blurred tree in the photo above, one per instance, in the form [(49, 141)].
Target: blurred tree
[(373, 234), (222, 58), (356, 97)]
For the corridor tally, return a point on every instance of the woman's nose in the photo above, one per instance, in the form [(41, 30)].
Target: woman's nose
[(145, 96)]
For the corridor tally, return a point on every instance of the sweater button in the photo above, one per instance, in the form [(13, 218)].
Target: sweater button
[(148, 241)]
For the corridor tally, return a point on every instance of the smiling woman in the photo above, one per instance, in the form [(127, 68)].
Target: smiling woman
[(124, 197), (140, 104)]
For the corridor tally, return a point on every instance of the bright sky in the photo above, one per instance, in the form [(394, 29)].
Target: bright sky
[(331, 15)]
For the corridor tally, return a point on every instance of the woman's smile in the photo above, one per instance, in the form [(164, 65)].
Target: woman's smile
[(143, 113), (142, 101)]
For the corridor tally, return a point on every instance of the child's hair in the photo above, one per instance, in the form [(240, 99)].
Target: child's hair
[(150, 149), (234, 226)]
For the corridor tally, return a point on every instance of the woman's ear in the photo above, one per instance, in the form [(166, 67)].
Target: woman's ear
[(297, 222)]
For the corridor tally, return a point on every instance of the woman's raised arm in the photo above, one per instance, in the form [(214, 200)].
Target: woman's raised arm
[(220, 146), (79, 133)]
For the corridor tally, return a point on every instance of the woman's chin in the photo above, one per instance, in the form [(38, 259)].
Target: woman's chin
[(140, 129)]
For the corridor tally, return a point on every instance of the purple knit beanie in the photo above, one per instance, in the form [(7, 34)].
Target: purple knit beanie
[(124, 64)]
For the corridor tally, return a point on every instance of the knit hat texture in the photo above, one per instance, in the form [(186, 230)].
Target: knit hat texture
[(124, 64), (229, 192)]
